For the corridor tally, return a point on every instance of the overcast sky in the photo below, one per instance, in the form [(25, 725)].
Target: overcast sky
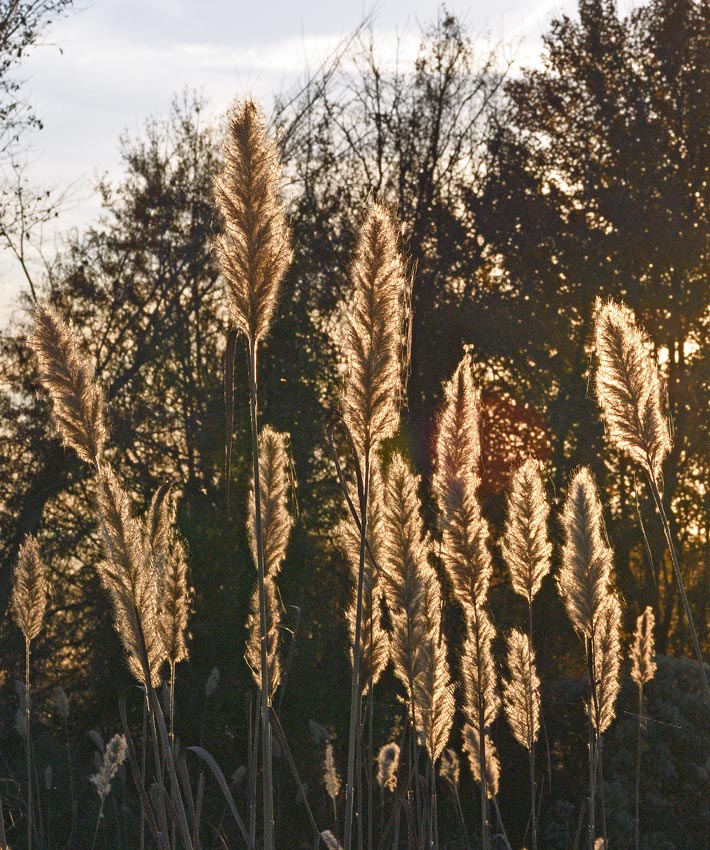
[(110, 64)]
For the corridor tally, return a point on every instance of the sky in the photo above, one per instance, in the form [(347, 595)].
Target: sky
[(111, 64)]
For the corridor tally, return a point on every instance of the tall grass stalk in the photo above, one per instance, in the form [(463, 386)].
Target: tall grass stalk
[(629, 389), (643, 669), (254, 253), (28, 604), (370, 407)]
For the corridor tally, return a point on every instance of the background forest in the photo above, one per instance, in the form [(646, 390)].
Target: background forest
[(523, 195)]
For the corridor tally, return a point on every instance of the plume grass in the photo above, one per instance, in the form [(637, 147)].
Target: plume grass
[(629, 389), (254, 244), (526, 548), (643, 669), (521, 692), (28, 604), (78, 402)]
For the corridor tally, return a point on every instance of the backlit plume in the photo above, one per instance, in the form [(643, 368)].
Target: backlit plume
[(374, 639), (464, 549), (607, 663), (629, 388), (275, 485), (130, 577), (586, 557), (374, 333), (521, 694), (29, 590), (254, 244), (170, 561), (643, 662), (472, 745), (387, 766), (77, 399), (526, 548)]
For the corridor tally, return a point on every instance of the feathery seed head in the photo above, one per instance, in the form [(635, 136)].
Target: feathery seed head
[(113, 758), (458, 446), (130, 577), (273, 626), (170, 562), (450, 768), (77, 398), (275, 485), (472, 745), (330, 841), (586, 557), (521, 694), (464, 547), (607, 663), (374, 347), (387, 766), (331, 780), (374, 639), (254, 245), (643, 662), (526, 548), (479, 676), (629, 387), (29, 590)]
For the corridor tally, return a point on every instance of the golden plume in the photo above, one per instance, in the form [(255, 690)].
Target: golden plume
[(481, 698), (276, 524), (408, 575), (464, 549), (78, 401), (607, 663), (29, 590), (375, 641), (526, 548), (472, 745), (254, 244), (629, 388), (521, 693), (374, 333), (130, 577), (458, 446), (643, 664), (586, 556), (434, 702), (170, 561)]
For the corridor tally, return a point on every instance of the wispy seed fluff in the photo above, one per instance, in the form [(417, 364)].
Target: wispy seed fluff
[(526, 548), (331, 780), (78, 401), (29, 590), (276, 524), (521, 693), (129, 575), (464, 547), (478, 670), (254, 245), (387, 766), (450, 768), (375, 641), (607, 663), (114, 756), (414, 599), (170, 561), (586, 557), (472, 746), (373, 346), (643, 664), (629, 388)]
